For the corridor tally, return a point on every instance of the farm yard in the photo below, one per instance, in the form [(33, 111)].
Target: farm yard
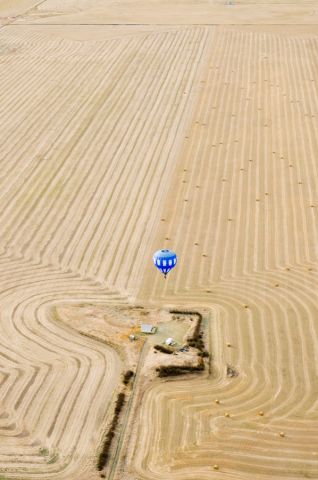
[(131, 126)]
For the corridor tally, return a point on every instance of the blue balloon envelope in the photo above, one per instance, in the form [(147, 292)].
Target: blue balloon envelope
[(165, 260)]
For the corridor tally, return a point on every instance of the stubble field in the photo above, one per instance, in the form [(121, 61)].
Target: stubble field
[(132, 126)]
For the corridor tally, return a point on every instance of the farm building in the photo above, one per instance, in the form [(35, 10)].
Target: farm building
[(147, 328)]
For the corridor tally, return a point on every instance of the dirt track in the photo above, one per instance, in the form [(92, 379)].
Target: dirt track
[(117, 141)]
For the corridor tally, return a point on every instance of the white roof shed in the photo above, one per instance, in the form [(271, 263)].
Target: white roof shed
[(147, 328)]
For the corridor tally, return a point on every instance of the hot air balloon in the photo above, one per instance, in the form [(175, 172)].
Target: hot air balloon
[(165, 260)]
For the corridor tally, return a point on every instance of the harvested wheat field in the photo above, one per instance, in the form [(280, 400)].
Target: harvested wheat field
[(133, 126)]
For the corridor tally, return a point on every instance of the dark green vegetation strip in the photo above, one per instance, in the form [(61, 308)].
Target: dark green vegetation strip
[(174, 370), (163, 349), (127, 376), (104, 454)]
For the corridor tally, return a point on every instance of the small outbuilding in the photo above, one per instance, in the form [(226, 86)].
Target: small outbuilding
[(169, 341), (147, 328)]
